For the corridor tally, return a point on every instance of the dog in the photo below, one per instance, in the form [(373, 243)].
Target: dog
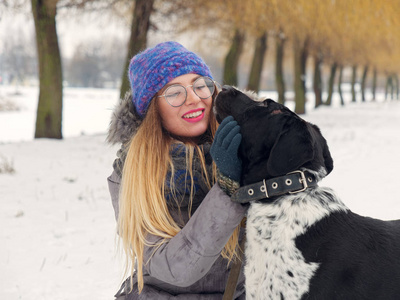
[(302, 240)]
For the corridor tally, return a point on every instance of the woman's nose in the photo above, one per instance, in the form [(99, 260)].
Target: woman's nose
[(192, 98)]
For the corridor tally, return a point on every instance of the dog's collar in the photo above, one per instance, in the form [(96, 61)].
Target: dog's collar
[(293, 182)]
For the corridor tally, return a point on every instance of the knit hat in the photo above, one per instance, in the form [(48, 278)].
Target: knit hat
[(153, 68)]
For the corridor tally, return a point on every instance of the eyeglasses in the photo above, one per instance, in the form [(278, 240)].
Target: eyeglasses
[(176, 95)]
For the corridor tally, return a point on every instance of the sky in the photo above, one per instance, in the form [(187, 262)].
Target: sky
[(80, 27), (72, 30)]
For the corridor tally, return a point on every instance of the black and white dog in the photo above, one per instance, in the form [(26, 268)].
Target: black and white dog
[(302, 241)]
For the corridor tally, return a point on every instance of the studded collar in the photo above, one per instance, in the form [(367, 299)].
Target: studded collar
[(293, 182)]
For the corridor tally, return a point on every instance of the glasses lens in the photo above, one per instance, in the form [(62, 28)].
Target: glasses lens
[(204, 87), (175, 95)]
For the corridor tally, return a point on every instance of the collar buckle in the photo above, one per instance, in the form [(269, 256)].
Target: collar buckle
[(302, 180)]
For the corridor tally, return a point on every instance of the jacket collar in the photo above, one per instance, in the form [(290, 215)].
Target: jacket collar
[(125, 121)]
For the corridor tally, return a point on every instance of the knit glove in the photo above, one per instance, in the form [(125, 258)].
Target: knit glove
[(224, 152)]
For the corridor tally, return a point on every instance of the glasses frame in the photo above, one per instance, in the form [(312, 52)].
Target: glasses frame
[(216, 85)]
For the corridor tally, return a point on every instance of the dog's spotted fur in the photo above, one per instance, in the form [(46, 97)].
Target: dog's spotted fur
[(275, 268)]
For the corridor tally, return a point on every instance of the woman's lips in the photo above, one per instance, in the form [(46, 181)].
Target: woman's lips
[(194, 116)]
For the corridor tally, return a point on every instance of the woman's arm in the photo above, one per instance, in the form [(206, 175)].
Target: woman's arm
[(189, 255)]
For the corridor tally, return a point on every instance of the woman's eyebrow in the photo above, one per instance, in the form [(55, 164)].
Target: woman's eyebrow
[(175, 83)]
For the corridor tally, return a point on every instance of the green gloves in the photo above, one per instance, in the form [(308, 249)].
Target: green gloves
[(224, 152)]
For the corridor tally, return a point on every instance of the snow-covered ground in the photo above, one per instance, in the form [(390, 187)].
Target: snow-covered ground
[(58, 226), (85, 111)]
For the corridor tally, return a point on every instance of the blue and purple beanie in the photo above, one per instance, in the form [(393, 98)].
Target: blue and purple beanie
[(153, 68)]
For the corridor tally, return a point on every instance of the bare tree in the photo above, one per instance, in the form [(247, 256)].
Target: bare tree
[(300, 50), (258, 62), (331, 83), (232, 58), (364, 83), (138, 37), (317, 80), (49, 111), (279, 76)]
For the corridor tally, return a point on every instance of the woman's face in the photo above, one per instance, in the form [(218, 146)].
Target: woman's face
[(189, 120)]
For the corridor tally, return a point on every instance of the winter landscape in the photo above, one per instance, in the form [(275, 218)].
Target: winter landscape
[(58, 232)]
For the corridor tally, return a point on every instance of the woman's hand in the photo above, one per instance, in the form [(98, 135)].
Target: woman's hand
[(224, 152)]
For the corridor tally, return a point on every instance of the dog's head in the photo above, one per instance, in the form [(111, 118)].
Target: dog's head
[(275, 141)]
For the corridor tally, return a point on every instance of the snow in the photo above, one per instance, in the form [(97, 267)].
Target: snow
[(85, 111), (58, 227)]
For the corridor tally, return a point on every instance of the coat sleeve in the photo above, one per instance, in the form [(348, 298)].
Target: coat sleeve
[(114, 181), (188, 256)]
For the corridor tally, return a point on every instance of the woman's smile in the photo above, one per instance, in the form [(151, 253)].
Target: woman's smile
[(194, 116)]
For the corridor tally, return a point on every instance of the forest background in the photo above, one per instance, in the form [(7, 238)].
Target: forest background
[(256, 44)]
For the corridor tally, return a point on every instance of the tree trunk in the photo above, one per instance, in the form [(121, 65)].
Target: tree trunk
[(331, 84), (138, 38), (396, 79), (304, 56), (374, 79), (353, 84), (279, 77), (49, 110), (389, 85), (340, 85), (232, 59), (258, 62), (299, 76), (317, 82), (363, 83)]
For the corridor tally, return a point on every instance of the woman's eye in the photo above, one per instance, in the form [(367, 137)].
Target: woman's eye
[(173, 95), (200, 87)]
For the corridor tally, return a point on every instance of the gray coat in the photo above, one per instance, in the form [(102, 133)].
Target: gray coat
[(190, 265)]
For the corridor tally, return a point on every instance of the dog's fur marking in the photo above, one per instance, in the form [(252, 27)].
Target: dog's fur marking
[(275, 268)]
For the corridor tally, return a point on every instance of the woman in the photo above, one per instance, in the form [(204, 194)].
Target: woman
[(178, 229)]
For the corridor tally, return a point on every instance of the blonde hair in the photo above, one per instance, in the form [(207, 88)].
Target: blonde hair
[(143, 208)]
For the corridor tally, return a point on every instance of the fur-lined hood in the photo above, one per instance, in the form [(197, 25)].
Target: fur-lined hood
[(125, 121)]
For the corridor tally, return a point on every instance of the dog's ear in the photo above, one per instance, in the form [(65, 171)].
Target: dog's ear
[(326, 155), (328, 159), (292, 149)]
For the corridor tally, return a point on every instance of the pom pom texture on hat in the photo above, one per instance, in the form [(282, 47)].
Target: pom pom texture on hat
[(153, 68)]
